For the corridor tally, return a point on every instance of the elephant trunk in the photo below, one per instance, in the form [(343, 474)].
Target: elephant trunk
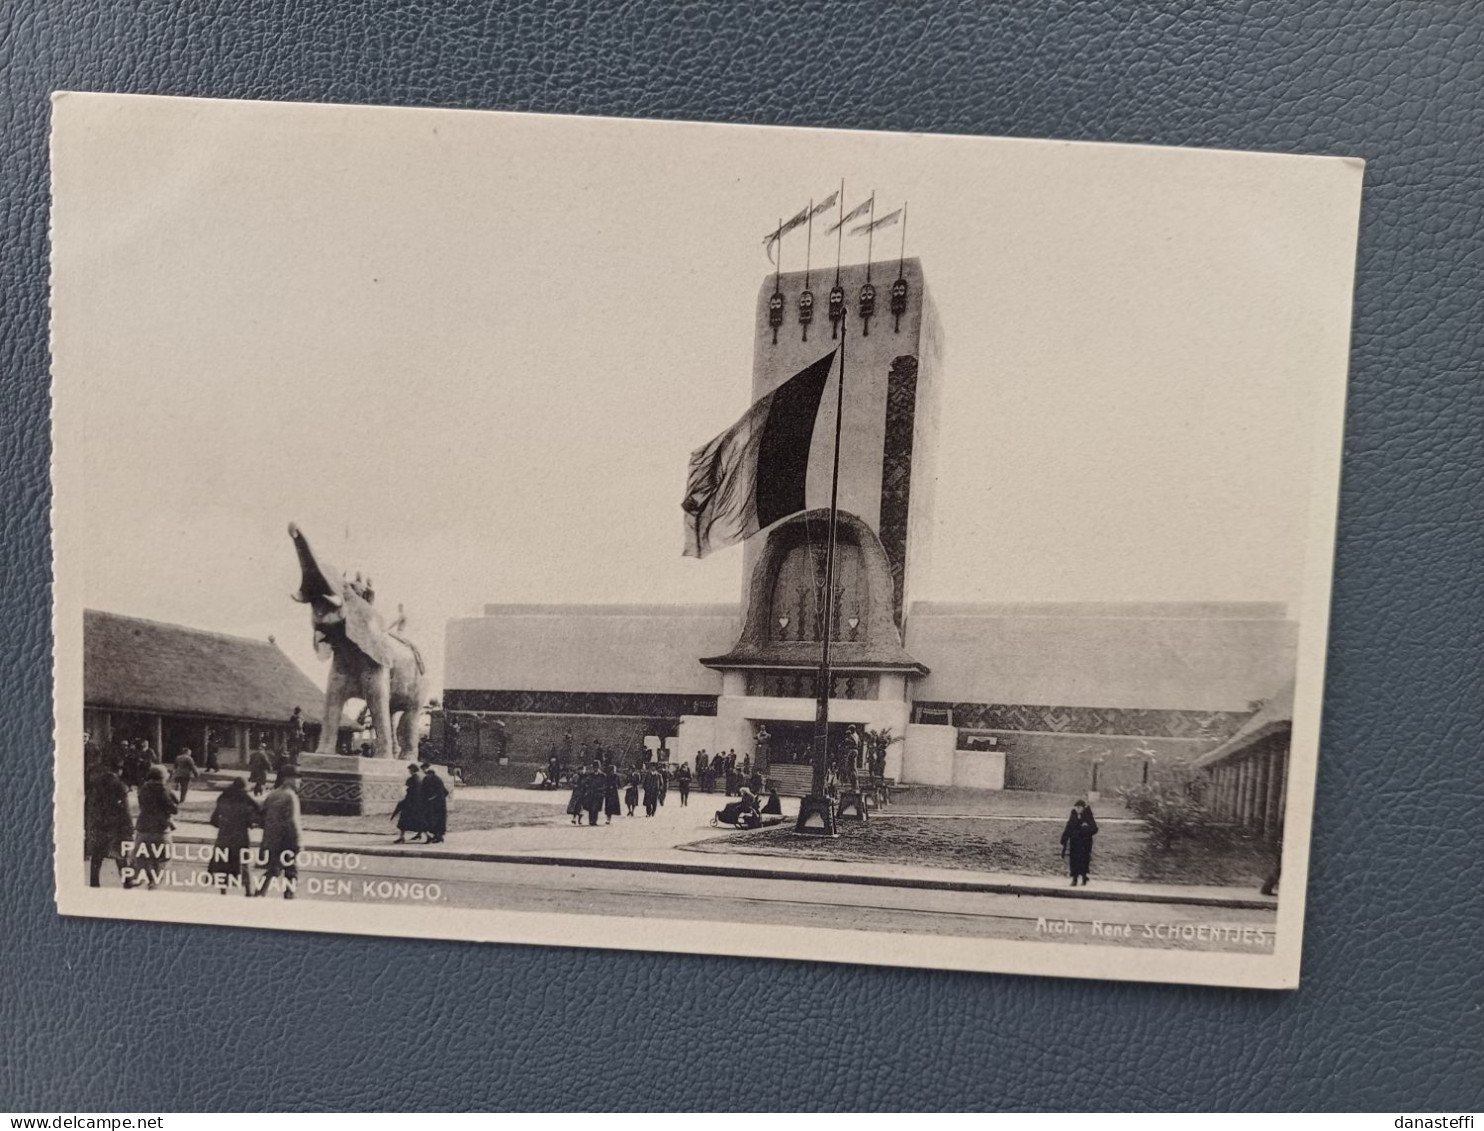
[(318, 580)]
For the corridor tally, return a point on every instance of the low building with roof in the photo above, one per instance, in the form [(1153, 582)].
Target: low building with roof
[(179, 687)]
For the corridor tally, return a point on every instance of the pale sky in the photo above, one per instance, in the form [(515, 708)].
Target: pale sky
[(469, 353)]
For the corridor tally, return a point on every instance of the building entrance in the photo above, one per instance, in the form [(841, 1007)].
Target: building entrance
[(792, 744)]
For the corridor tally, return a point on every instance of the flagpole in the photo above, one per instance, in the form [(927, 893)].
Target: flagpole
[(775, 304), (902, 255), (778, 251), (840, 228), (818, 803), (809, 245)]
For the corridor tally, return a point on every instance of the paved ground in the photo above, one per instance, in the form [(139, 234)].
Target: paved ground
[(654, 845), (635, 867)]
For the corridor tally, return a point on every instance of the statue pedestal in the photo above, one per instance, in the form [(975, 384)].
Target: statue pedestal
[(340, 785), (817, 816), (852, 804)]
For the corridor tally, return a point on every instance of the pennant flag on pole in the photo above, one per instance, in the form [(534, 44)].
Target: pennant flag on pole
[(754, 473), (825, 204), (855, 213), (797, 220), (885, 222)]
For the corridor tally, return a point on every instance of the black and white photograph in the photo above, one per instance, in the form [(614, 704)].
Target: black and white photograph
[(910, 550)]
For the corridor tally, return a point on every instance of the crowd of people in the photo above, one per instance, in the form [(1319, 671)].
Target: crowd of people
[(141, 845), (132, 759), (595, 790), (422, 814), (570, 762), (596, 793), (732, 773)]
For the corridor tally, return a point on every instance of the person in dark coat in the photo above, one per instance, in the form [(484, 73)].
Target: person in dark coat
[(611, 807), (134, 766), (574, 803), (734, 781), (631, 794), (1076, 840), (594, 785), (664, 772), (651, 791), (742, 813), (435, 806), (106, 822), (1270, 884), (137, 755), (152, 840), (682, 783), (258, 765), (210, 761), (234, 816), (296, 734), (773, 807), (92, 757), (283, 835), (185, 770), (409, 811)]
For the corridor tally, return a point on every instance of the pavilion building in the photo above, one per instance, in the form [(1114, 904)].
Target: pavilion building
[(1061, 697)]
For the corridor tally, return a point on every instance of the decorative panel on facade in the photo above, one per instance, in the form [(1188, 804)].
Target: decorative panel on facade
[(640, 704), (1084, 720), (804, 685), (896, 471)]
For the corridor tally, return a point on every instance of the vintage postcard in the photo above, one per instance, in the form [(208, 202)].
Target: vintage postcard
[(789, 543)]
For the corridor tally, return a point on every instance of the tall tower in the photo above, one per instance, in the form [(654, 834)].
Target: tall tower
[(888, 436)]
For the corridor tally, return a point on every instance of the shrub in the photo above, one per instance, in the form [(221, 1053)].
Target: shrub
[(1172, 805)]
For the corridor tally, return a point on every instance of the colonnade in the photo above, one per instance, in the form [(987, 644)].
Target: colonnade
[(1251, 788)]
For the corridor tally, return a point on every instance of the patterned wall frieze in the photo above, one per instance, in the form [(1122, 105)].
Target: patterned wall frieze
[(1089, 720), (640, 704), (315, 788), (896, 471)]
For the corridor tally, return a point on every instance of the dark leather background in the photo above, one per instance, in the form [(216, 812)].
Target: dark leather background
[(128, 1016)]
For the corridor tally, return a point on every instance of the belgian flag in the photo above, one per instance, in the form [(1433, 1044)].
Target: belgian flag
[(755, 472)]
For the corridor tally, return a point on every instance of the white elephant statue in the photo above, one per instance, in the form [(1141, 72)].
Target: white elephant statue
[(369, 660)]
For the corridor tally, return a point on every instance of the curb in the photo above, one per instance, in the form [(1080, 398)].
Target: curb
[(750, 872)]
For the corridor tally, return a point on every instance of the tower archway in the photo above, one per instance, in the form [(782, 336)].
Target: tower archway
[(783, 627)]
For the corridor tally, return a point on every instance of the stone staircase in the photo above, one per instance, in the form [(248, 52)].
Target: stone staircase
[(792, 780)]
